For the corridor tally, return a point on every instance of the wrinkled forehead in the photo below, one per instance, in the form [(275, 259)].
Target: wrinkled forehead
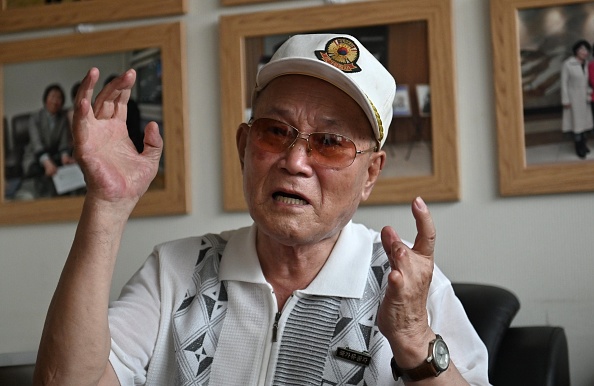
[(289, 96)]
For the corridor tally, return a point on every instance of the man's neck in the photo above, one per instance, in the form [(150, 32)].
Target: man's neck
[(291, 268)]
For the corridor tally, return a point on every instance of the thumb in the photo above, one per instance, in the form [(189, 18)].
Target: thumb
[(153, 143)]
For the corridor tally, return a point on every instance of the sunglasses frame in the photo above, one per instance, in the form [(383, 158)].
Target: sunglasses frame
[(305, 137)]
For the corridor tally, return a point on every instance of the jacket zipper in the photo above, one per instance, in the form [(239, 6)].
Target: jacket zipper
[(275, 327)]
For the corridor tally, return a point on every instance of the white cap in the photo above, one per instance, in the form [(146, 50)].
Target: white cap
[(342, 61)]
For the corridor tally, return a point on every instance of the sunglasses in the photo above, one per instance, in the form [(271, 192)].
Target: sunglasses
[(327, 149)]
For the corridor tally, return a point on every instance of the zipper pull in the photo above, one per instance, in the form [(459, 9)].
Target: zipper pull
[(275, 327)]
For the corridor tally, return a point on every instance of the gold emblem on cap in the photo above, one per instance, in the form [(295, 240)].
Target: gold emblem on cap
[(341, 53), (378, 119)]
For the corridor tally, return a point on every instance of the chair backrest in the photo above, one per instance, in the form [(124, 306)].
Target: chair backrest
[(17, 375), (533, 356), (490, 310), (17, 369), (16, 138), (6, 140), (20, 130), (12, 160)]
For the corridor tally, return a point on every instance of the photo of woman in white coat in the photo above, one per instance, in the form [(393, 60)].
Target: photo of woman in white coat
[(575, 96)]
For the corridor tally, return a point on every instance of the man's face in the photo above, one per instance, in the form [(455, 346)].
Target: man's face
[(54, 102), (294, 200)]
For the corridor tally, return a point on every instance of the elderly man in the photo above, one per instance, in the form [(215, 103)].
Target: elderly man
[(304, 296)]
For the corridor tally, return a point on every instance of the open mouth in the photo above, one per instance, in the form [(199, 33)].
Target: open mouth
[(290, 199)]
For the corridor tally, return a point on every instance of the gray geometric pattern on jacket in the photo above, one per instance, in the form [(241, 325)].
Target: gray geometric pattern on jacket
[(315, 329)]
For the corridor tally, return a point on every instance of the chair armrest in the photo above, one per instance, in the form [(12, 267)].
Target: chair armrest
[(532, 355)]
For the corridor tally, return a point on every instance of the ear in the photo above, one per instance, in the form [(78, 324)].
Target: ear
[(376, 164), (241, 142)]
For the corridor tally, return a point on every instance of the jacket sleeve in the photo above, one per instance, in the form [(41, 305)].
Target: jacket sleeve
[(134, 324), (447, 317)]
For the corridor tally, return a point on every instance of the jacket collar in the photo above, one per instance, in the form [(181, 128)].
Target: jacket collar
[(344, 274)]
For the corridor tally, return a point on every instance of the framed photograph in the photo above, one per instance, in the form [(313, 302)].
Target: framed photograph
[(20, 15), (401, 105), (531, 41), (413, 40), (423, 99), (28, 67)]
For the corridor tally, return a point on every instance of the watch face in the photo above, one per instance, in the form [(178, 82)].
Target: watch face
[(441, 355)]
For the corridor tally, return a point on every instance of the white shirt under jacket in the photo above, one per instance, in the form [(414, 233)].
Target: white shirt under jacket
[(200, 312)]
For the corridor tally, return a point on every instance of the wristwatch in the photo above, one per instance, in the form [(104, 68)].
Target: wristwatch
[(436, 363)]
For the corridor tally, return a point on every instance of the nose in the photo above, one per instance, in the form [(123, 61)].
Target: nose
[(304, 137), (296, 159)]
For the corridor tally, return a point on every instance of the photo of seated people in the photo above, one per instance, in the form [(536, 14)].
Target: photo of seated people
[(44, 146), (50, 144), (38, 109)]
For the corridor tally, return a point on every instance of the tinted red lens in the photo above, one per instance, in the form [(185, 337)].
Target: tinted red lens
[(327, 149)]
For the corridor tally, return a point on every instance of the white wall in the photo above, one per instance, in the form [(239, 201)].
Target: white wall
[(539, 247)]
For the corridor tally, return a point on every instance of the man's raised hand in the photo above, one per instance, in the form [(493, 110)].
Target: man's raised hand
[(113, 169), (403, 312)]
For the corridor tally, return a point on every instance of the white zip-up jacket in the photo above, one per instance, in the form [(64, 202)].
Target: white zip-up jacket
[(200, 312)]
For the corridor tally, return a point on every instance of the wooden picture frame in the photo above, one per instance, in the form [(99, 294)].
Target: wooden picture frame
[(435, 15), (517, 176), (169, 193), (85, 11)]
